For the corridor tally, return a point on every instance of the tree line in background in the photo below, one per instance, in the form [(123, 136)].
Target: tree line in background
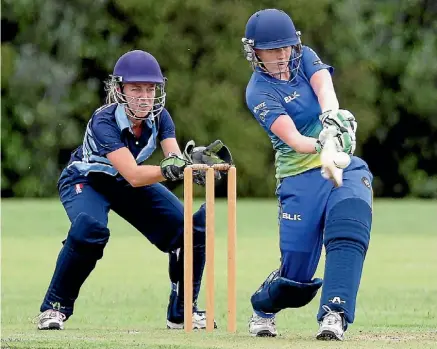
[(55, 56)]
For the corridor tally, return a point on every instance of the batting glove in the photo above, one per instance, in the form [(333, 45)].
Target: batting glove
[(344, 121)]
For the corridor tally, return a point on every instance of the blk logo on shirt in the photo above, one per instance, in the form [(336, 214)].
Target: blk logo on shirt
[(291, 217), (292, 97)]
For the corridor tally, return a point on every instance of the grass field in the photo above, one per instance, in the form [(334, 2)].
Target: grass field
[(123, 303)]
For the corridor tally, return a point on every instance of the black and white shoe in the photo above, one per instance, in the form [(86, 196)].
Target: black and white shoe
[(199, 322), (51, 320), (332, 326), (262, 327)]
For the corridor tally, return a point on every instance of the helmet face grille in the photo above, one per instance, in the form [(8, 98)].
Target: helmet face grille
[(293, 63)]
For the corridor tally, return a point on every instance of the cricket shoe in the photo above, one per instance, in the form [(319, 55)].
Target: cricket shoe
[(262, 327), (51, 320), (332, 326), (175, 313), (199, 322)]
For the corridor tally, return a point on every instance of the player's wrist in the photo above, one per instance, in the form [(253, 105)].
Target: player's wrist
[(318, 147), (306, 145)]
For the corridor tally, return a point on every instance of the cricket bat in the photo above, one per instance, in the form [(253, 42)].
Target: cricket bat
[(329, 169)]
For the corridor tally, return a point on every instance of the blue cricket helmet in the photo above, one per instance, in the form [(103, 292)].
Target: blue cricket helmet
[(138, 66), (272, 29)]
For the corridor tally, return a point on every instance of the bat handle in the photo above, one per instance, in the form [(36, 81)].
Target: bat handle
[(329, 169)]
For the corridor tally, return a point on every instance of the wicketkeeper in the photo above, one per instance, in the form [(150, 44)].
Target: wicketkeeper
[(107, 172)]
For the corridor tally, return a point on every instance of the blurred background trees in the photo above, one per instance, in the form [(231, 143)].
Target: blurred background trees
[(56, 54)]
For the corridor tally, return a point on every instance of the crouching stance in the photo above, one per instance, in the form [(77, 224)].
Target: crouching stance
[(292, 97), (107, 172)]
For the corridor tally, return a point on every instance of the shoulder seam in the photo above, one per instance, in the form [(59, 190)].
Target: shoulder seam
[(103, 107)]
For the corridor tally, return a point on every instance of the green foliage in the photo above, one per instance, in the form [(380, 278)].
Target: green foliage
[(55, 57)]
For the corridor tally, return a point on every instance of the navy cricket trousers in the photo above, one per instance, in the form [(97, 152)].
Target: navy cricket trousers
[(153, 210)]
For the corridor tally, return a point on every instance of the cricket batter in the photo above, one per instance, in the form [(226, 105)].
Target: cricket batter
[(107, 172), (292, 97)]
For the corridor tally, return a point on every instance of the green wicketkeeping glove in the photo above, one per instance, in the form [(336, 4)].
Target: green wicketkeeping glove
[(215, 153), (172, 167)]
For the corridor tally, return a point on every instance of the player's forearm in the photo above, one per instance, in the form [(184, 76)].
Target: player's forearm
[(328, 100), (145, 175), (300, 143), (136, 175), (322, 84), (305, 145), (285, 129)]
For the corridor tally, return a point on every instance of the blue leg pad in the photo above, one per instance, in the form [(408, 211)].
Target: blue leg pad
[(347, 236), (278, 293)]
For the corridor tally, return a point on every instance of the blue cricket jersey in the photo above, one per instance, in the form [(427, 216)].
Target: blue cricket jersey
[(268, 98), (109, 129)]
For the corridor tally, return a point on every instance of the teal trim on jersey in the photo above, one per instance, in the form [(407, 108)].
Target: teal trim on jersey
[(290, 163)]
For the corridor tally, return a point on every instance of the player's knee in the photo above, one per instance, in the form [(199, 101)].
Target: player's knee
[(199, 230), (277, 293), (298, 266), (88, 235), (350, 219)]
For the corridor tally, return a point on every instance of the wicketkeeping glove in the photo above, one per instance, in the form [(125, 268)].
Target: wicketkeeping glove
[(215, 153), (172, 167)]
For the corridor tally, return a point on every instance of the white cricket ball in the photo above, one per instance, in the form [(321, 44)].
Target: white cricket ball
[(342, 160)]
